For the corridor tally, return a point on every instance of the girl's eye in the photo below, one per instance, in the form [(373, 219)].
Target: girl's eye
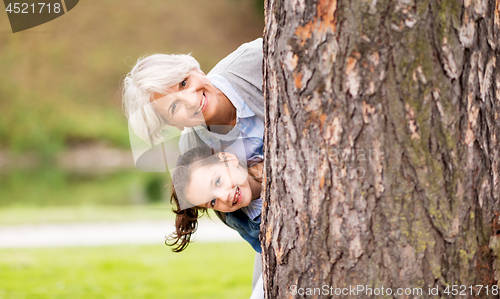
[(184, 83), (217, 182), (212, 202)]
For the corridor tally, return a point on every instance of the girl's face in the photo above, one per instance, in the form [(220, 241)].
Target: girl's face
[(222, 186)]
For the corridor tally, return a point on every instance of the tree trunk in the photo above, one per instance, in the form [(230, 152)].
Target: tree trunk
[(383, 148)]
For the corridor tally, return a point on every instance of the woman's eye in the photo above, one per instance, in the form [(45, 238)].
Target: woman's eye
[(184, 83), (174, 106), (212, 202), (217, 182)]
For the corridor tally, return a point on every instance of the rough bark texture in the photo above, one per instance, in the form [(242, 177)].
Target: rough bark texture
[(383, 146)]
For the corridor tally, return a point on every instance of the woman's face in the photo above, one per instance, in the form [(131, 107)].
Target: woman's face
[(190, 103), (222, 186)]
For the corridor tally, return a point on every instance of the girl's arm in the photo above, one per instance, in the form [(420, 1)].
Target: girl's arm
[(255, 171)]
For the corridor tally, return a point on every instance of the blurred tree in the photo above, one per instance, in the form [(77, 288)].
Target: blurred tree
[(154, 188), (383, 154), (259, 6)]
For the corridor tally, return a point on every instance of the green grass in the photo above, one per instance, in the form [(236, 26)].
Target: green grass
[(204, 270), (57, 196), (19, 215), (84, 213)]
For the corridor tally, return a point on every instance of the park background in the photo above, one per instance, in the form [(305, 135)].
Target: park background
[(65, 155)]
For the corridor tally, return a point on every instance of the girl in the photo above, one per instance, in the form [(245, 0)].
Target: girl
[(203, 180)]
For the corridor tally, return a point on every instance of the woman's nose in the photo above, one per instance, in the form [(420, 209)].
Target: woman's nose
[(190, 98)]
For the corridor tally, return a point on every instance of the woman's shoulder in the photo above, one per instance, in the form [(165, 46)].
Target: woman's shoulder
[(243, 70), (243, 58)]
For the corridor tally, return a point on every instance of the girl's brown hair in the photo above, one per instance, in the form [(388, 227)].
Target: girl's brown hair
[(186, 220)]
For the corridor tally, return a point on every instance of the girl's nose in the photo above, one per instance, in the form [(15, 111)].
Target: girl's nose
[(226, 197)]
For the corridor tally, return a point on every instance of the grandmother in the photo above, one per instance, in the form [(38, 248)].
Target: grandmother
[(171, 90)]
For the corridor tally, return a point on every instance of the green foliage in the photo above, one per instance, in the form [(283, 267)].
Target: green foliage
[(128, 272), (60, 81), (60, 87), (154, 188), (56, 187)]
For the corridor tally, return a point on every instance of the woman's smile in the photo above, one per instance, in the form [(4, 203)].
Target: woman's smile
[(203, 104)]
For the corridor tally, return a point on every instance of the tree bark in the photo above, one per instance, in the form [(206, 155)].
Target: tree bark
[(382, 158)]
